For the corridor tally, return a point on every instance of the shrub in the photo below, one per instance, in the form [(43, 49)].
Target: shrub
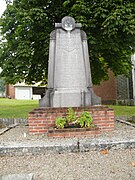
[(60, 122), (70, 115), (85, 120)]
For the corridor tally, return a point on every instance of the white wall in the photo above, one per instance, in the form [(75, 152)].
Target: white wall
[(36, 97), (24, 93)]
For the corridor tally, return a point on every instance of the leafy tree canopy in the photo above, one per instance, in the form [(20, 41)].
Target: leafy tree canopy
[(26, 25)]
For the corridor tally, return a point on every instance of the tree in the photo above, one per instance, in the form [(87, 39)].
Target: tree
[(26, 25)]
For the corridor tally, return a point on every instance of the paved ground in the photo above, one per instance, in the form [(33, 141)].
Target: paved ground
[(115, 163), (93, 165)]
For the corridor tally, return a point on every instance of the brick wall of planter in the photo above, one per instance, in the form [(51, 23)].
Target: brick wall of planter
[(42, 121)]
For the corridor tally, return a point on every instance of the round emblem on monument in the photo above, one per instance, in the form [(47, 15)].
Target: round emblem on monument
[(68, 23)]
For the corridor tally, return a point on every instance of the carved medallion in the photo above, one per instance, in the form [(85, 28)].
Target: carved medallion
[(68, 23)]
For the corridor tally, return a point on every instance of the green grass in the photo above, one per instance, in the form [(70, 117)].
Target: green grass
[(124, 110), (11, 108)]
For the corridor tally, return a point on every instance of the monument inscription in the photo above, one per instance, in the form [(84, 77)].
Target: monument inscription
[(69, 75)]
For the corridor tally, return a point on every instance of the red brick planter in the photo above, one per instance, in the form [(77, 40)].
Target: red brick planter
[(42, 119), (73, 132)]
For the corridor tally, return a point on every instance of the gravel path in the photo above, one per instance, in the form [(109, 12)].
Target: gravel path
[(115, 165), (93, 165), (20, 134)]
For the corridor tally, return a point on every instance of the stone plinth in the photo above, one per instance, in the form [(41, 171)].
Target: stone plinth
[(42, 121)]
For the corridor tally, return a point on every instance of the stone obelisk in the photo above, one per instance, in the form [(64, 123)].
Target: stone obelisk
[(69, 75)]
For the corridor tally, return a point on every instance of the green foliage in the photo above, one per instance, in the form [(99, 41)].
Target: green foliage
[(70, 115), (60, 122), (26, 25), (85, 119)]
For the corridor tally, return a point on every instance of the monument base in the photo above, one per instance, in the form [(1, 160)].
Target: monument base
[(42, 119), (69, 98)]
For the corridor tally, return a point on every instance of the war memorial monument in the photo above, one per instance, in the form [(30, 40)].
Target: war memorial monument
[(69, 81)]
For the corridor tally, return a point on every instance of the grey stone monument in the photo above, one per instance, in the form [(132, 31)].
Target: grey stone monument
[(69, 75)]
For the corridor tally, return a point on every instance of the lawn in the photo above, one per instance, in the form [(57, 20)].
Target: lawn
[(124, 110), (11, 108)]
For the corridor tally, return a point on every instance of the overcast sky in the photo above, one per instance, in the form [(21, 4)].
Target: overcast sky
[(2, 6)]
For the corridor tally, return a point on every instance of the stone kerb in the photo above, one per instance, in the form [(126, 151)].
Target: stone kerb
[(42, 121)]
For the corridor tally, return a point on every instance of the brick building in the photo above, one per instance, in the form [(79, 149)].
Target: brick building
[(107, 90), (119, 90), (23, 91), (10, 91), (115, 90)]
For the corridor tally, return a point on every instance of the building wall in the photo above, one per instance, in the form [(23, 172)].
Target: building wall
[(107, 90), (23, 93), (10, 91)]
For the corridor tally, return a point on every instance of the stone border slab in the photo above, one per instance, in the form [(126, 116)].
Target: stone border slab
[(65, 146), (17, 177), (10, 121)]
